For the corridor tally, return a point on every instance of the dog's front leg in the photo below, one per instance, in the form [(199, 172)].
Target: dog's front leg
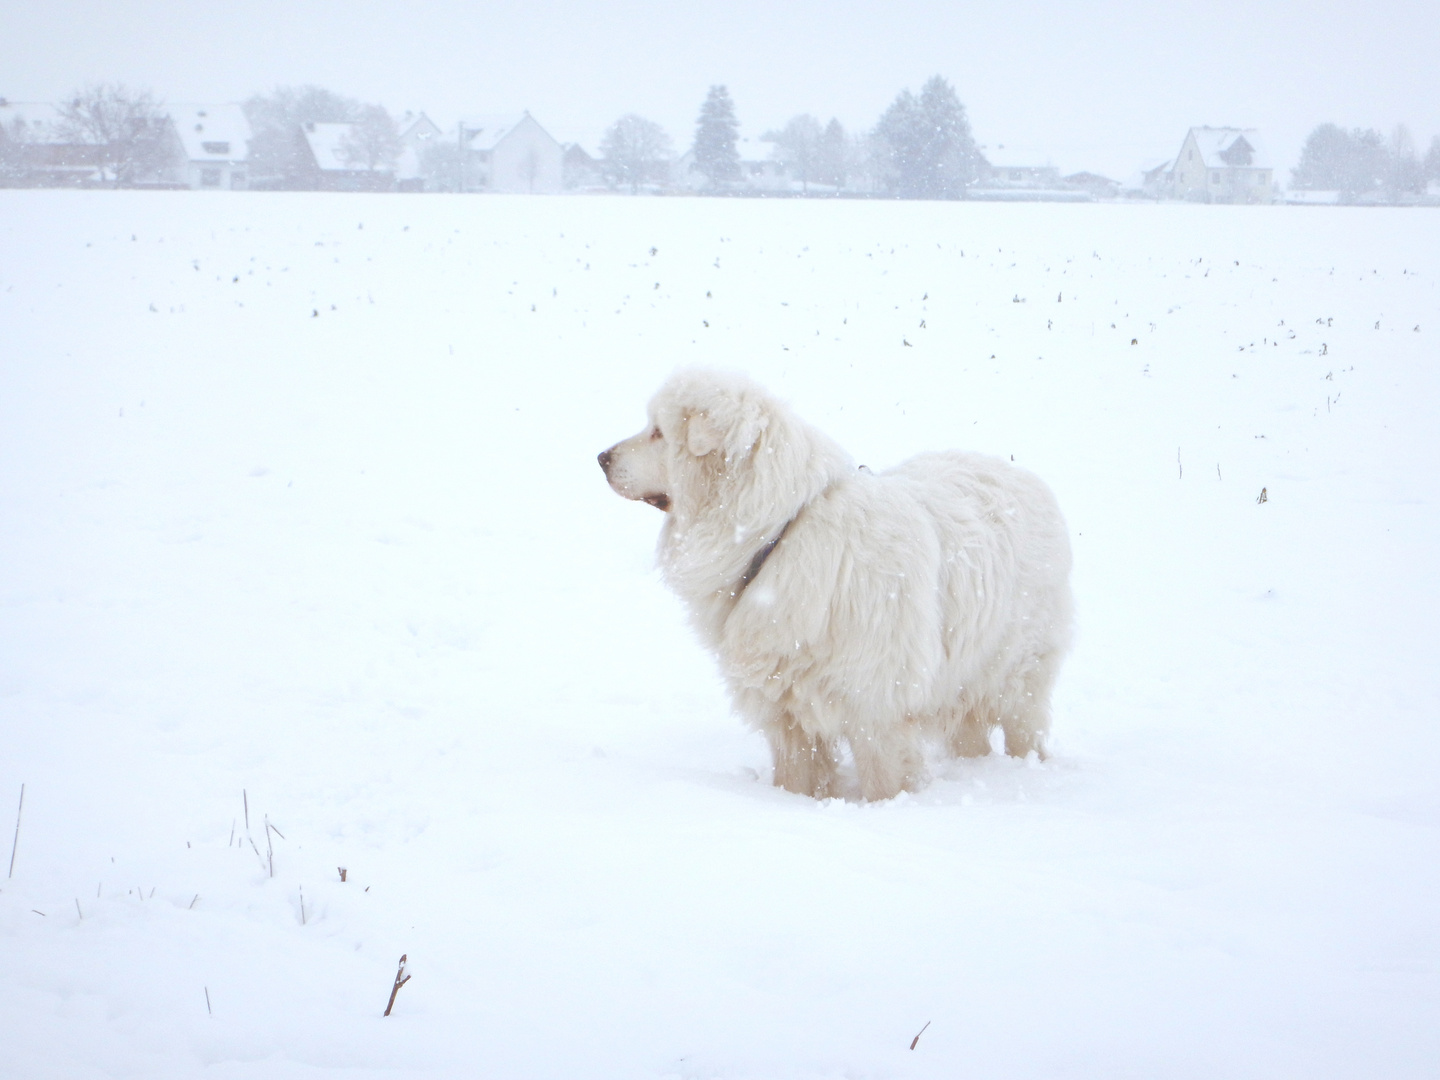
[(804, 764)]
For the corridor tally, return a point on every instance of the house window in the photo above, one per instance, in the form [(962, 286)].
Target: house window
[(215, 147), (209, 177)]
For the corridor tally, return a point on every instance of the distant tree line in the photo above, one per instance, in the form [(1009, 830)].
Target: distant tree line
[(1363, 165), (920, 148)]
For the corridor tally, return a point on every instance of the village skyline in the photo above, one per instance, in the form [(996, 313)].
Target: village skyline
[(1101, 87), (310, 138)]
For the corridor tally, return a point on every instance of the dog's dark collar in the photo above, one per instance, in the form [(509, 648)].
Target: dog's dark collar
[(753, 570)]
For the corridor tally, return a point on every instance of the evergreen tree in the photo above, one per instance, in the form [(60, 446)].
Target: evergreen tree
[(1370, 166), (1432, 161), (1322, 160), (925, 145), (716, 134), (1352, 162)]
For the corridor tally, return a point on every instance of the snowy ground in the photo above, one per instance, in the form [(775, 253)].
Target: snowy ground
[(298, 499)]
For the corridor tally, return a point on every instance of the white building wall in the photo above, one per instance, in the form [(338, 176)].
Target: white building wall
[(527, 161)]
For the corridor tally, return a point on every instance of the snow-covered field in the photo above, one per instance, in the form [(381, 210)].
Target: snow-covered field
[(299, 508)]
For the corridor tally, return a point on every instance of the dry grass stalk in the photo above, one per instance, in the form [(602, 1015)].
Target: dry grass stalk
[(16, 842), (916, 1039)]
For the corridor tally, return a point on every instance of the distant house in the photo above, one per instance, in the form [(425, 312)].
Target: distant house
[(1099, 187), (685, 173), (1010, 175), (214, 146), (580, 171), (758, 176), (1010, 168), (37, 151), (1151, 182), (327, 164), (1222, 165), (418, 135), (509, 154)]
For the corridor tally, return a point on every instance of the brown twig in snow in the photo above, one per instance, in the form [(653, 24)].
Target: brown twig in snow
[(343, 872), (400, 980), (916, 1039)]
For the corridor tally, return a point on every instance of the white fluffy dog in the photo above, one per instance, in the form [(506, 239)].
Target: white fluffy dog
[(930, 601)]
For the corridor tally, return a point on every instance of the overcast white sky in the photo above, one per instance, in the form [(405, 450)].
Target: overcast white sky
[(1106, 86)]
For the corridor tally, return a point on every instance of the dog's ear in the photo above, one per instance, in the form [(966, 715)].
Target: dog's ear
[(702, 435), (732, 426)]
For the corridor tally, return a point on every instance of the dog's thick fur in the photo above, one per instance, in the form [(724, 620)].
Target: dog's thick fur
[(927, 602)]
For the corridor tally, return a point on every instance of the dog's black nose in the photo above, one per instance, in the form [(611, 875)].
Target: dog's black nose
[(604, 459)]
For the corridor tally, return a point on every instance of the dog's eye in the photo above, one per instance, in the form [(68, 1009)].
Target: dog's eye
[(656, 434)]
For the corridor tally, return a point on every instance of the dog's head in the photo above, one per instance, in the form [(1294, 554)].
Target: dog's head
[(703, 427)]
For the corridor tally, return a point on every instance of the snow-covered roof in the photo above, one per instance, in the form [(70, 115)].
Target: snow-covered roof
[(1230, 148), (325, 141), (1149, 174), (32, 121), (212, 132), (418, 125), (1008, 156), (484, 132)]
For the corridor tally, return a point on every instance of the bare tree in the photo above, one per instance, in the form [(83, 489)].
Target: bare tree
[(1407, 171), (634, 151), (127, 129), (373, 140), (530, 168), (799, 146), (833, 158)]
